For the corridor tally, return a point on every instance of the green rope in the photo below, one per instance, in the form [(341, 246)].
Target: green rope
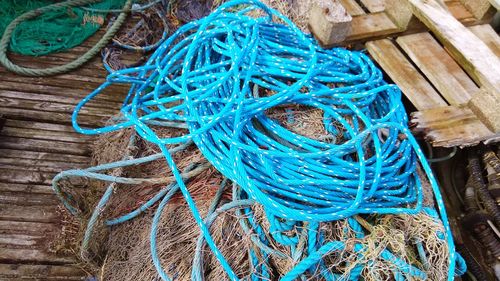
[(6, 38)]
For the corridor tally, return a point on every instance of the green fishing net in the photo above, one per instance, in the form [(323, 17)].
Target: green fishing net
[(53, 31)]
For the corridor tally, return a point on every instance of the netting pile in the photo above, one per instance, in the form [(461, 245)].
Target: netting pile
[(344, 202), (53, 31)]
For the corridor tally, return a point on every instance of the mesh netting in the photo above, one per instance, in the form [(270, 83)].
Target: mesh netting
[(53, 31)]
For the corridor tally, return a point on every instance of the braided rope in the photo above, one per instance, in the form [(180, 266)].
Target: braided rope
[(106, 38), (204, 76)]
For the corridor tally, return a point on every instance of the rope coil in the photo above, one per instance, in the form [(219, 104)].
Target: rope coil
[(204, 76)]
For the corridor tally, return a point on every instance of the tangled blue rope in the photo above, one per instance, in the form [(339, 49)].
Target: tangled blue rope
[(204, 76)]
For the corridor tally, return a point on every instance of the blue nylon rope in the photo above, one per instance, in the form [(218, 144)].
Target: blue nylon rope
[(204, 76)]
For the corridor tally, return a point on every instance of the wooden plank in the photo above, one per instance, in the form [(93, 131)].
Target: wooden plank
[(26, 188), (485, 105), (54, 106), (488, 35), (329, 22), (25, 199), (56, 117), (45, 156), (469, 51), (22, 227), (374, 6), (41, 272), (437, 65), (352, 7), (404, 74), (478, 8), (112, 94), (105, 106), (33, 256), (9, 175), (452, 126), (370, 26), (44, 146), (41, 165), (47, 214), (45, 135)]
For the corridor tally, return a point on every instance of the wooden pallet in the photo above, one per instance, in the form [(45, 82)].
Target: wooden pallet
[(36, 142), (440, 73), (372, 19)]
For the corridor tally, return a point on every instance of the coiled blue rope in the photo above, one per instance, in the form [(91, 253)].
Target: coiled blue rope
[(203, 76)]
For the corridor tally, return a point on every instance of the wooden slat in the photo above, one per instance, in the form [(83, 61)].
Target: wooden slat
[(56, 117), (33, 256), (477, 7), (374, 6), (44, 135), (470, 52), (404, 74), (452, 126), (40, 272), (488, 35), (44, 146), (26, 188), (441, 70), (46, 214), (24, 199), (41, 165), (45, 156), (10, 175), (371, 25), (353, 8)]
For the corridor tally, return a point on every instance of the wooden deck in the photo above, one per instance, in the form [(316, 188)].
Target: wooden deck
[(36, 142)]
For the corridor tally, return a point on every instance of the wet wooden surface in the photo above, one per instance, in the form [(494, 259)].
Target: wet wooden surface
[(36, 142)]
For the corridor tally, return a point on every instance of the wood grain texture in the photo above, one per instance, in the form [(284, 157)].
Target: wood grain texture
[(404, 74), (439, 67), (488, 35), (352, 7), (374, 6), (478, 8), (451, 126), (468, 50)]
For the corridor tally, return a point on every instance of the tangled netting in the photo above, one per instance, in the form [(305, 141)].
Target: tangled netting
[(52, 31), (210, 75)]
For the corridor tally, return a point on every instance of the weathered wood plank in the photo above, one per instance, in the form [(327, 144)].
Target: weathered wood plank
[(45, 156), (105, 106), (45, 135), (44, 146), (41, 272), (468, 50), (329, 22), (33, 256), (486, 33), (352, 7), (486, 106), (479, 8), (374, 6), (25, 199), (26, 188), (54, 106), (47, 214), (41, 165), (437, 65), (9, 175), (370, 26), (56, 117), (404, 74), (452, 126), (23, 227)]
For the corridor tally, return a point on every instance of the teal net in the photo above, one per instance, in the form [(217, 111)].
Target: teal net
[(53, 31)]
